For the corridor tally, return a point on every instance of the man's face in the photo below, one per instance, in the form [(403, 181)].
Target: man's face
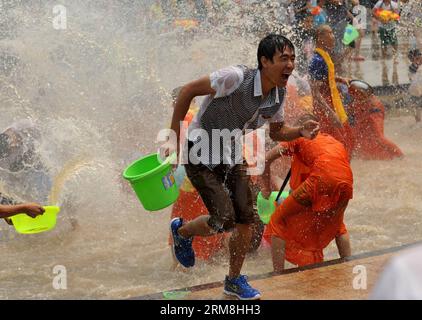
[(279, 70)]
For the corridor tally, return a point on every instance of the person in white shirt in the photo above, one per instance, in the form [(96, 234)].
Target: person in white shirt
[(238, 99), (359, 13), (387, 28)]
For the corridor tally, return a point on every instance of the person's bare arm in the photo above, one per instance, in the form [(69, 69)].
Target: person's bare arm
[(280, 132), (316, 95), (343, 245), (200, 87), (346, 81), (31, 209), (277, 253), (265, 180)]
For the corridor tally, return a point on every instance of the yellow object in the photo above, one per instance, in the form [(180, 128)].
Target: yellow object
[(186, 23), (27, 225), (335, 95), (387, 15)]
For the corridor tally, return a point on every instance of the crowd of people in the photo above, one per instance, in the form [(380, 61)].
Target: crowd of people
[(316, 117)]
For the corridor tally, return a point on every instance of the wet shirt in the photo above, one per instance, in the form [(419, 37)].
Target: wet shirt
[(359, 13), (238, 105), (227, 80), (318, 69), (337, 15)]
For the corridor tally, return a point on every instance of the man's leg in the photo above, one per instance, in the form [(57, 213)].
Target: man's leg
[(238, 247), (384, 42), (394, 44), (238, 184), (209, 184), (197, 227)]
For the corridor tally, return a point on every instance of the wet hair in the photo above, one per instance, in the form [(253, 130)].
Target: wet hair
[(270, 44)]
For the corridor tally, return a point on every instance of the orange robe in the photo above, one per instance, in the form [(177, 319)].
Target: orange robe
[(312, 216), (368, 131)]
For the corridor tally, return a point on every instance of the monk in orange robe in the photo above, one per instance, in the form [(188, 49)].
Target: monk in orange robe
[(312, 215), (368, 128), (327, 101)]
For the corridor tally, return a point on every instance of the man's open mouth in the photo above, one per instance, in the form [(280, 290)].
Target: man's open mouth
[(285, 76)]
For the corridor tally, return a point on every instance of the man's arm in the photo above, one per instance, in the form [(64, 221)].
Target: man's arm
[(279, 132), (265, 180), (200, 87), (31, 209)]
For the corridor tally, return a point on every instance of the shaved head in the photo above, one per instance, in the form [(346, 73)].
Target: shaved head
[(324, 38), (322, 31)]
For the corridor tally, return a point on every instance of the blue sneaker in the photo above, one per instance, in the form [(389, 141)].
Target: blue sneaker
[(240, 288), (182, 248)]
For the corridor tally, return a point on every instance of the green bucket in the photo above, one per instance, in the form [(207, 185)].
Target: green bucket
[(153, 181), (350, 35), (267, 207)]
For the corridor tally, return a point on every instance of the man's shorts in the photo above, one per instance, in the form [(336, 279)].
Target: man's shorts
[(388, 37), (225, 192)]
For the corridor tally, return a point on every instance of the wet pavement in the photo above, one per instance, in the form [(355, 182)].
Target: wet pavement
[(342, 279)]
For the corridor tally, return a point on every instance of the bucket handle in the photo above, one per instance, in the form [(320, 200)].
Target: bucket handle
[(284, 184)]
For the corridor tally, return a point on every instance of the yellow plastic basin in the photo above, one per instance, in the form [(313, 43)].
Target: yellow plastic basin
[(27, 225)]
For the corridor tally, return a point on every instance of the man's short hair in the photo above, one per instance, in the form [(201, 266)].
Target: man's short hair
[(270, 44)]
